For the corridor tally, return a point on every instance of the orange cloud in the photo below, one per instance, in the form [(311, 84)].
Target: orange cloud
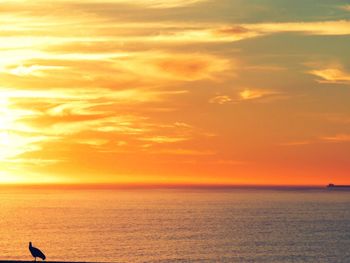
[(345, 7), (35, 70), (148, 3), (221, 99), (335, 75), (164, 139), (252, 94), (143, 67), (183, 67), (337, 138), (339, 27), (296, 143), (58, 115), (266, 68), (262, 95), (163, 4), (183, 152)]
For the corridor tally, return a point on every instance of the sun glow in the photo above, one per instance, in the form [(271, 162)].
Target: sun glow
[(12, 142), (9, 179), (5, 125)]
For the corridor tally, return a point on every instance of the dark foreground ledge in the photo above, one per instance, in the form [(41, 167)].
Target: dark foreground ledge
[(39, 261)]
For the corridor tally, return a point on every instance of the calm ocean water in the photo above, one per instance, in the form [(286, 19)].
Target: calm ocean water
[(177, 225)]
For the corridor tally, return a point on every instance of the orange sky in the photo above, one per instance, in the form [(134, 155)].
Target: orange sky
[(151, 91)]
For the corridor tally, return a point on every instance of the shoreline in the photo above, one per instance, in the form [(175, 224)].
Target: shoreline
[(31, 261)]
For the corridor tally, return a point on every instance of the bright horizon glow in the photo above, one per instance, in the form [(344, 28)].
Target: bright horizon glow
[(148, 92)]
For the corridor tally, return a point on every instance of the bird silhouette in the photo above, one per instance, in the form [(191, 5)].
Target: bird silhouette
[(36, 253)]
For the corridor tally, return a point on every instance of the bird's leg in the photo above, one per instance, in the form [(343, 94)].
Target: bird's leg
[(35, 259)]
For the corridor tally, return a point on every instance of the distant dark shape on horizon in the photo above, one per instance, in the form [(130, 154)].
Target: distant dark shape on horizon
[(36, 253), (338, 186)]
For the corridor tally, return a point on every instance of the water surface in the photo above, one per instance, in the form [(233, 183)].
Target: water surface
[(177, 225)]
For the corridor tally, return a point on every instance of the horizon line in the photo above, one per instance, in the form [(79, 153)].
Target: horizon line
[(154, 185)]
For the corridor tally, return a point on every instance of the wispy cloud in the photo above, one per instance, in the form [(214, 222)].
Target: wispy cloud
[(263, 95), (164, 139), (93, 142), (297, 143), (332, 74), (163, 4), (271, 68), (337, 138), (249, 94), (58, 115), (184, 67), (335, 117), (32, 161), (230, 162), (345, 7), (149, 3), (221, 99), (180, 151), (339, 27), (35, 70)]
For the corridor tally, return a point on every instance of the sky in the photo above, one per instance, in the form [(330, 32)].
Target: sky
[(175, 92)]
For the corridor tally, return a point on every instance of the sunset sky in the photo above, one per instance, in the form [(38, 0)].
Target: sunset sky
[(175, 91)]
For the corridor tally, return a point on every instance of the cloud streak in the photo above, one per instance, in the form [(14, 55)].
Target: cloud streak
[(248, 94), (334, 75), (339, 138)]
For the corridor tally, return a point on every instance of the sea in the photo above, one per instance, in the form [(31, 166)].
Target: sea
[(177, 224)]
